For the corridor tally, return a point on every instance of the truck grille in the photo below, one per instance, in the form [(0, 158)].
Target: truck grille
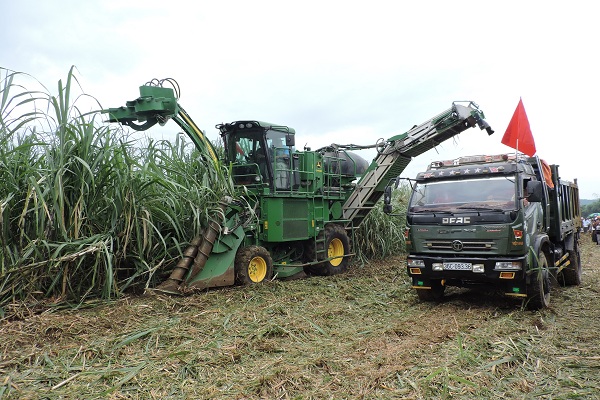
[(460, 245)]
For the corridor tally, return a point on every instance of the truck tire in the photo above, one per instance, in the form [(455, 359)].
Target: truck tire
[(253, 264), (538, 289), (436, 293), (571, 275), (331, 242)]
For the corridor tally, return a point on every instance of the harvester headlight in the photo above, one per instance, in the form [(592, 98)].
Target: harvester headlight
[(241, 126), (249, 125), (437, 266), (507, 266)]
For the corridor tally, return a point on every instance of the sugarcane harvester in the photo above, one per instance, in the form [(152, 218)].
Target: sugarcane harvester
[(290, 211)]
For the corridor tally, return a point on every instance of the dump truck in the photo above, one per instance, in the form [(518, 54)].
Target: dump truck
[(291, 211), (507, 222)]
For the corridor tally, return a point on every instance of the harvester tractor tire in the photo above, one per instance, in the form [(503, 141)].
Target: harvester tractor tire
[(436, 293), (571, 275), (332, 249), (538, 289), (253, 264)]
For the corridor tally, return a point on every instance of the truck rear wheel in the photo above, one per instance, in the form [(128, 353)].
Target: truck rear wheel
[(436, 293), (332, 242), (571, 275), (253, 264), (538, 289)]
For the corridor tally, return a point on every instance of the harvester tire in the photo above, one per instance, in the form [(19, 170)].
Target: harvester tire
[(571, 275), (253, 264), (538, 289), (332, 242)]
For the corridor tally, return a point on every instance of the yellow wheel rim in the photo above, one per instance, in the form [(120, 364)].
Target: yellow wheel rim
[(257, 269), (335, 249)]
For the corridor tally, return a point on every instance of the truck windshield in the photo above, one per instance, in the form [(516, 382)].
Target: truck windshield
[(497, 193)]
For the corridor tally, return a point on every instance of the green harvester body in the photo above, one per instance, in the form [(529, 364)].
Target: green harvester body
[(290, 211)]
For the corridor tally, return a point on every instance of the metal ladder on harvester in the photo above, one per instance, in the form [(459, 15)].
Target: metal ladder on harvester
[(398, 152)]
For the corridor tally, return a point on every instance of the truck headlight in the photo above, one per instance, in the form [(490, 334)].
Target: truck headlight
[(478, 268), (507, 266), (437, 266), (415, 263)]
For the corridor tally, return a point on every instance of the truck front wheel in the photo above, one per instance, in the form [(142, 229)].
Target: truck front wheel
[(538, 289), (436, 293), (253, 264)]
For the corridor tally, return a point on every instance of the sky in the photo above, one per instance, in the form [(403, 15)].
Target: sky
[(346, 72)]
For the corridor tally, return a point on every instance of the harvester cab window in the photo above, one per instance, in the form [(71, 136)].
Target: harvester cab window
[(280, 156), (249, 158), (258, 157), (242, 147)]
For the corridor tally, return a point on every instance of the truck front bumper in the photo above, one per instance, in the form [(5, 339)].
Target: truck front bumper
[(503, 273)]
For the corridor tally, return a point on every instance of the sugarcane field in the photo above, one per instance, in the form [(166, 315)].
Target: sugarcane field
[(135, 267)]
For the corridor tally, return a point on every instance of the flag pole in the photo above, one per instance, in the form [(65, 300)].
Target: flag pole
[(518, 129)]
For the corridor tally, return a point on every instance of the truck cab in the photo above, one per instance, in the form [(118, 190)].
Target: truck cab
[(492, 220)]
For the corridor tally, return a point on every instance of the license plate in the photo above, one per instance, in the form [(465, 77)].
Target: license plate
[(458, 266)]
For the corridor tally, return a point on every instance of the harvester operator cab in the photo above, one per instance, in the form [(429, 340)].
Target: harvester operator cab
[(260, 154)]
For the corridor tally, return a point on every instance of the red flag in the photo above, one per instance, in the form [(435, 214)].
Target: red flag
[(518, 134)]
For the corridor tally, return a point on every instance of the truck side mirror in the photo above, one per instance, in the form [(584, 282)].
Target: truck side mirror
[(535, 191)]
